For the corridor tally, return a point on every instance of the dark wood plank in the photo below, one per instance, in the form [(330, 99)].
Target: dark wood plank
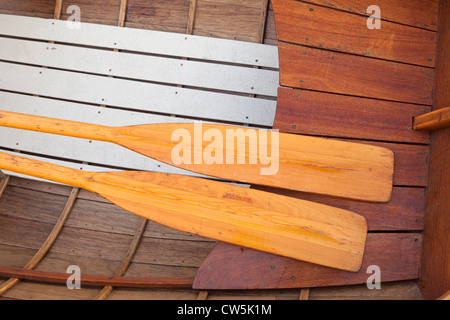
[(416, 13), (336, 72), (161, 15), (33, 8), (405, 210), (100, 11), (233, 267), (298, 22), (435, 274), (318, 113)]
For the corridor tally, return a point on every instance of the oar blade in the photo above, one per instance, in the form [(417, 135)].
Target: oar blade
[(302, 163), (308, 231)]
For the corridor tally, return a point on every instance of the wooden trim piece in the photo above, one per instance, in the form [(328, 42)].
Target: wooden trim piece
[(48, 242), (87, 280), (106, 291), (304, 294), (191, 16), (58, 9), (122, 13), (434, 120), (3, 183)]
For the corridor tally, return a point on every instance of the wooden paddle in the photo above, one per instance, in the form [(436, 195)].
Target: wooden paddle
[(303, 163), (278, 224)]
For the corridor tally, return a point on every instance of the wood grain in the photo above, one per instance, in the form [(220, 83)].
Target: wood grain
[(336, 72), (416, 13), (325, 114), (435, 273), (297, 22), (268, 158), (333, 237), (233, 267), (405, 210)]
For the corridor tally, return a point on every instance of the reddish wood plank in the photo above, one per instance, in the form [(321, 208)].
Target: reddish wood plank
[(318, 113), (233, 267), (405, 210), (435, 272), (417, 13), (336, 72), (317, 26)]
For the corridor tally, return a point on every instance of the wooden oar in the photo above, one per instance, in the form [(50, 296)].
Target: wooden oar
[(294, 228), (303, 163)]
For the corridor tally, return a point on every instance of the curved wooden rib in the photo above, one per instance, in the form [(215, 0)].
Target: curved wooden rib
[(48, 242), (3, 184), (61, 278), (106, 291)]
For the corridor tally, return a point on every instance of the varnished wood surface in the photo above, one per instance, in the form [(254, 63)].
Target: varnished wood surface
[(337, 72), (434, 120), (165, 257), (302, 163), (397, 256), (311, 25), (435, 275)]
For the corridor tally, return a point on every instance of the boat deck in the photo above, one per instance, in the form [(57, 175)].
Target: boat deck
[(338, 83)]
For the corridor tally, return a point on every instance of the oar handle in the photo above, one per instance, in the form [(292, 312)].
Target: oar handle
[(43, 170), (55, 126)]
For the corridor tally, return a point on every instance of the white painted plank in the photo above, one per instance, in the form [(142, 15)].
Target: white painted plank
[(142, 67), (149, 41), (136, 95), (82, 150)]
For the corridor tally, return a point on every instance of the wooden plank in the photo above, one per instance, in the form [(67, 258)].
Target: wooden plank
[(435, 274), (42, 8), (101, 11), (136, 95), (163, 15), (228, 19), (325, 114), (405, 210), (335, 72), (435, 120), (233, 267), (297, 22), (410, 163), (163, 43), (416, 13), (142, 67)]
